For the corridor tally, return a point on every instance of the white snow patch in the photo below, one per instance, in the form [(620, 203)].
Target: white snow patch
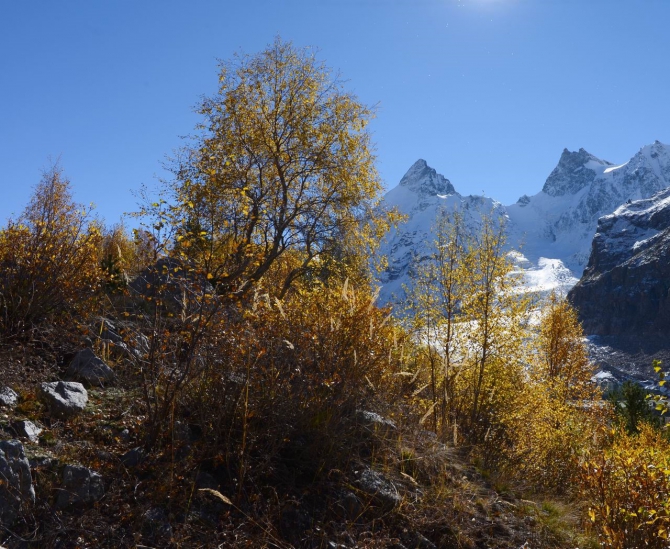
[(613, 168)]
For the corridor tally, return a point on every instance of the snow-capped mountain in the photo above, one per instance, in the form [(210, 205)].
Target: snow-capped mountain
[(560, 221), (422, 195), (551, 231)]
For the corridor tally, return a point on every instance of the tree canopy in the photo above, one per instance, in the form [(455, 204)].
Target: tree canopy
[(283, 168)]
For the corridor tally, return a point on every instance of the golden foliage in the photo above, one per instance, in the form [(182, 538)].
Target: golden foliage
[(563, 357), (473, 322), (48, 258), (284, 163), (627, 486), (560, 408)]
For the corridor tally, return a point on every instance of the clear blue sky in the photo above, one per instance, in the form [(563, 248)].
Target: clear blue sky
[(489, 92)]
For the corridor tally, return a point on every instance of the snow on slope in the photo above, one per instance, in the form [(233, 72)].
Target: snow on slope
[(553, 229)]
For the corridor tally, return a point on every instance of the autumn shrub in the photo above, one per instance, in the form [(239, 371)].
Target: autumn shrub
[(297, 368), (472, 323), (49, 265), (627, 487)]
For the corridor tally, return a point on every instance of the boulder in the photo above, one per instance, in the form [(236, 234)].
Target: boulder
[(63, 398), (80, 486), (382, 490), (26, 429), (16, 485), (122, 337), (8, 397), (90, 369)]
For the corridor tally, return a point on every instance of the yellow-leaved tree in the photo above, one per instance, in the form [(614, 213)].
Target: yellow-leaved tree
[(281, 177), (49, 262), (471, 321), (559, 416)]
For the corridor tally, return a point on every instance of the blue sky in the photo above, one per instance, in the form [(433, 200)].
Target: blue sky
[(489, 92)]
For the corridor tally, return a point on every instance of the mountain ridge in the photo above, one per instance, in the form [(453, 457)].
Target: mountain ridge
[(553, 228)]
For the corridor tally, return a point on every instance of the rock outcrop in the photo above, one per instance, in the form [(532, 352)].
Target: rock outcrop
[(625, 287), (16, 485)]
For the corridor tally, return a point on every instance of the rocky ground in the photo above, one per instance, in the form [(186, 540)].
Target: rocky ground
[(631, 358), (75, 474)]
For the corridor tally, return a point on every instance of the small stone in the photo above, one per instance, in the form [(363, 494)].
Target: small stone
[(43, 462), (133, 458), (124, 436), (8, 397), (27, 429), (379, 487), (374, 420), (80, 486)]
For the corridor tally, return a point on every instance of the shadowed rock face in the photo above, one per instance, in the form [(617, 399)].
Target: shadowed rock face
[(572, 173), (625, 287)]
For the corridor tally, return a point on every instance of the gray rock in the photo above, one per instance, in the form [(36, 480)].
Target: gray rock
[(123, 337), (132, 458), (63, 398), (16, 488), (124, 435), (27, 429), (90, 369), (379, 487), (80, 486), (8, 397), (349, 506)]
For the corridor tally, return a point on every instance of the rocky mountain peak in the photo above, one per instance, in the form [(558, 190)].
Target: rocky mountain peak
[(424, 180), (574, 171)]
